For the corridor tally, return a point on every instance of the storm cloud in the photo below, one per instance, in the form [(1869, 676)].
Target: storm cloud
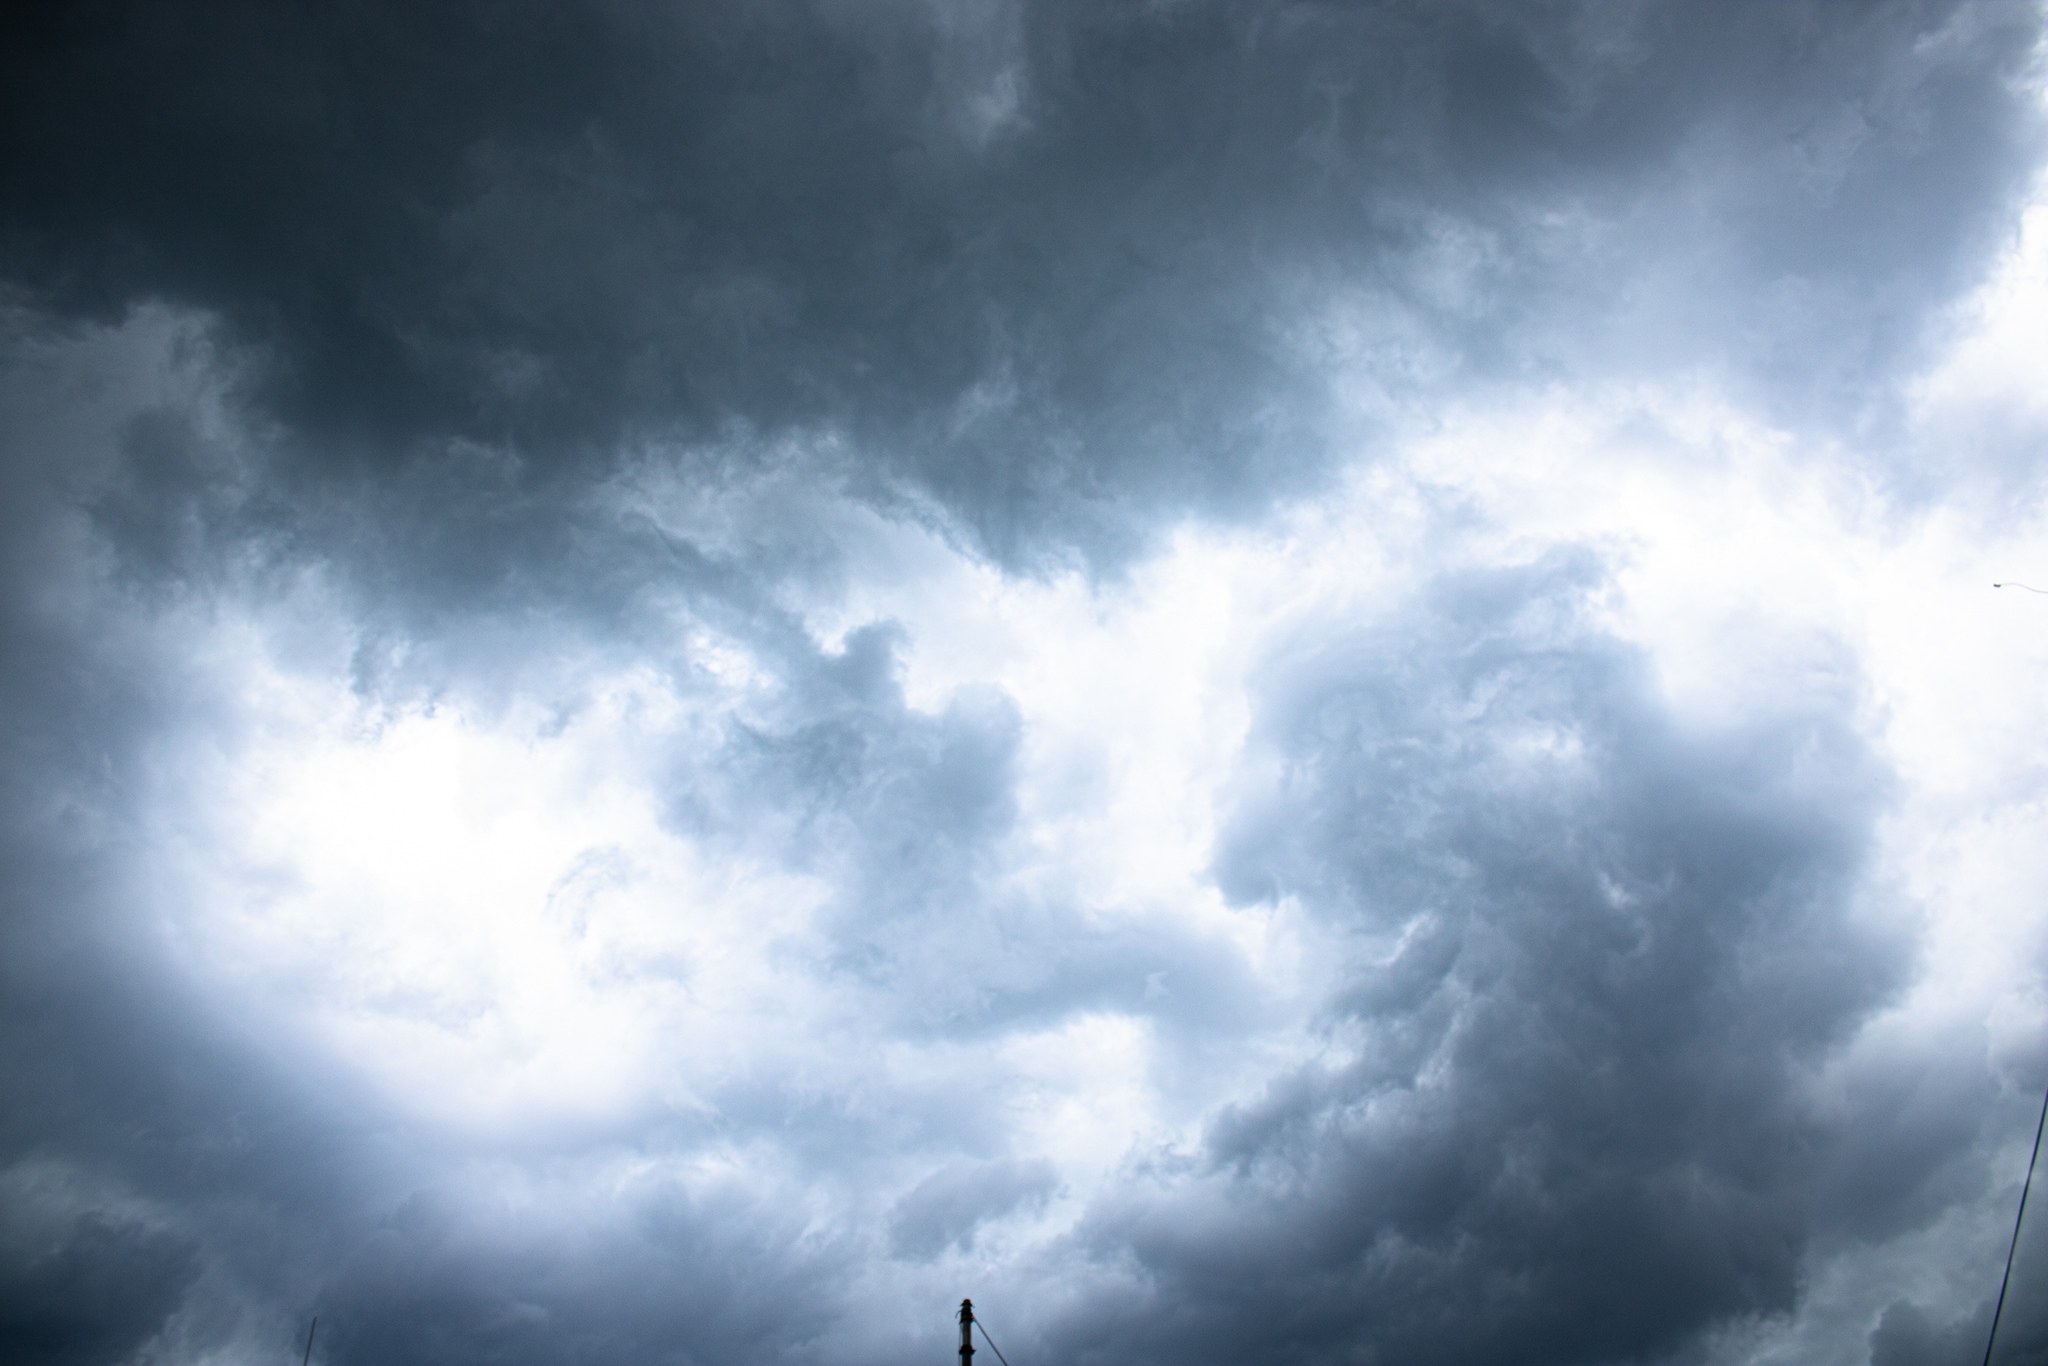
[(1564, 1121), (1308, 682)]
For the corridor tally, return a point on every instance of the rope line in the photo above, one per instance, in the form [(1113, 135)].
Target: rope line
[(992, 1344), (2028, 586), (2011, 1248)]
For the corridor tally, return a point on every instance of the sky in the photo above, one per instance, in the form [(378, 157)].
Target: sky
[(1312, 684)]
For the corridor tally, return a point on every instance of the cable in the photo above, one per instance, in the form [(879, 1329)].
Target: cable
[(992, 1344), (2029, 587), (2025, 1186)]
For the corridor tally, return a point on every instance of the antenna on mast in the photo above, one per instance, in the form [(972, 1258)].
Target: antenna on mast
[(966, 1317)]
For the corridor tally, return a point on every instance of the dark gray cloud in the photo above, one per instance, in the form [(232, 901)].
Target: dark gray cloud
[(1590, 961), (1067, 269), (1905, 1337), (92, 1292)]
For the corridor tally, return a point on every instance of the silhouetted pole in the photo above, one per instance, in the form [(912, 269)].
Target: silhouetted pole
[(309, 1340), (967, 1333), (2014, 1246)]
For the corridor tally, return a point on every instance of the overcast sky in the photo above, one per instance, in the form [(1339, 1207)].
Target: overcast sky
[(1289, 684)]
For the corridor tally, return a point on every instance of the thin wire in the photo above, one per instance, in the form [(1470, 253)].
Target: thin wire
[(2028, 586), (992, 1344), (2025, 1186), (309, 1340)]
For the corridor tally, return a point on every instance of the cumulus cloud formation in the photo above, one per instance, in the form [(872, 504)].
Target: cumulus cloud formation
[(1302, 682), (1585, 958)]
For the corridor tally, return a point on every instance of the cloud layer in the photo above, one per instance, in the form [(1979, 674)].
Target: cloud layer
[(1306, 683)]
